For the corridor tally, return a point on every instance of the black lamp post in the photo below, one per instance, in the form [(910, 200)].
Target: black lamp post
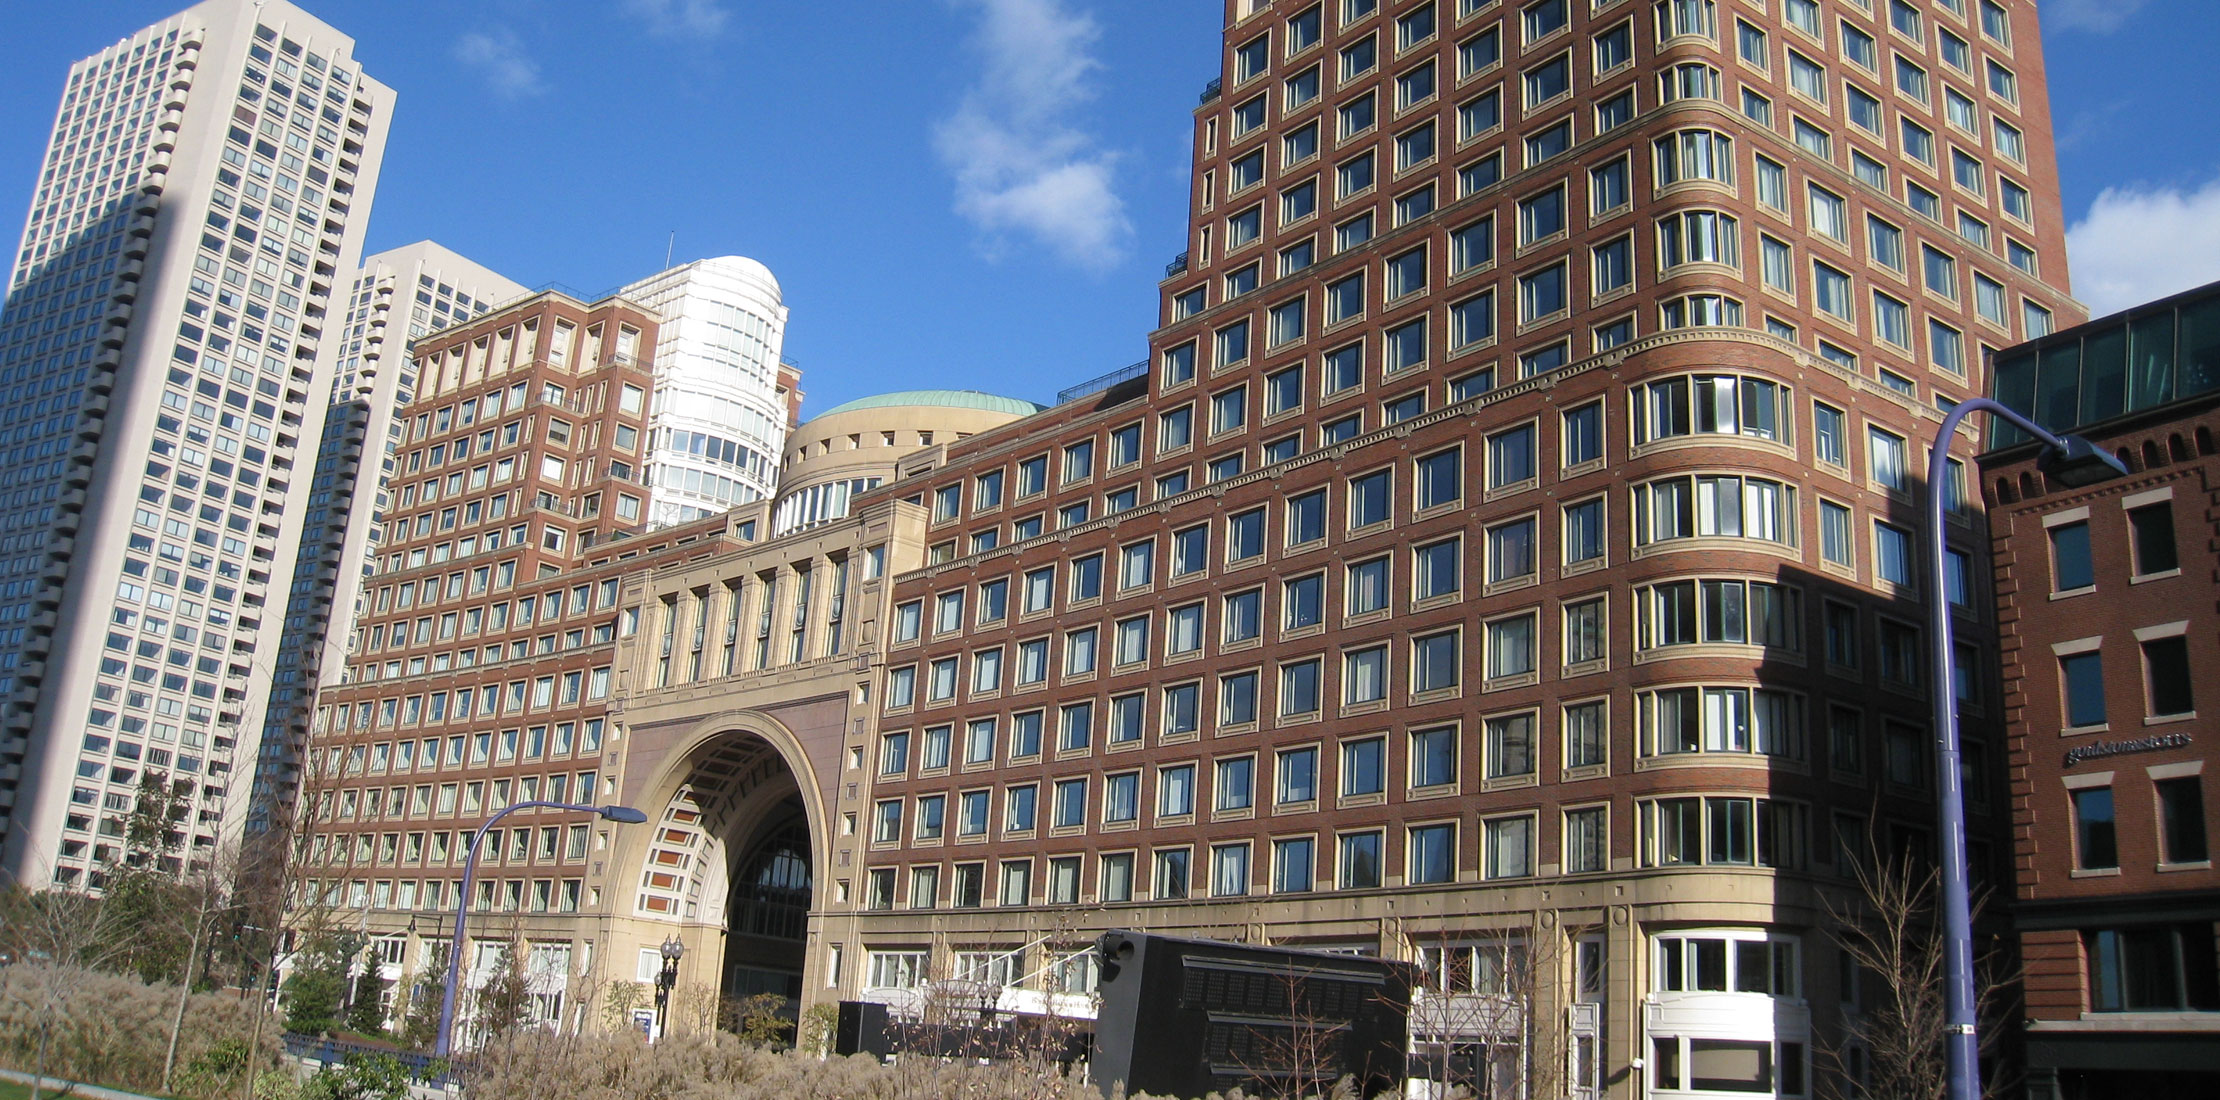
[(672, 952)]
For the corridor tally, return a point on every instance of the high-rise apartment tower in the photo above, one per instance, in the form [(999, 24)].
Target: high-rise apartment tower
[(164, 362), (397, 296)]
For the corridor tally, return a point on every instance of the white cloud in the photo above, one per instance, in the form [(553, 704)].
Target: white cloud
[(500, 58), (1022, 168), (2137, 244), (2094, 16), (680, 18)]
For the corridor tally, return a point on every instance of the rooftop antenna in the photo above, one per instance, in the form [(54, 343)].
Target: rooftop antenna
[(673, 243)]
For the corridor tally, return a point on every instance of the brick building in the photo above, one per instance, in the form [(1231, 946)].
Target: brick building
[(1508, 552), (524, 635), (2105, 614), (1505, 560), (479, 674)]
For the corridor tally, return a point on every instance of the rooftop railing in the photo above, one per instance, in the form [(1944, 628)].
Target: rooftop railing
[(1104, 382)]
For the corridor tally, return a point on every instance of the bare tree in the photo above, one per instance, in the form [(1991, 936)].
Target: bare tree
[(1893, 1045), (1488, 1017), (1298, 1056), (205, 897), (618, 1000)]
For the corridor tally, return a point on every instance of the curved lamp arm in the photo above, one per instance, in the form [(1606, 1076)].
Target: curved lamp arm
[(623, 815), (2071, 460)]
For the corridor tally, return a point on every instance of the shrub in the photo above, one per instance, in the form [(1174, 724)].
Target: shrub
[(112, 1030), (359, 1077)]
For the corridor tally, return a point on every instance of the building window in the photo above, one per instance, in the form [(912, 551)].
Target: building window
[(1440, 478), (1510, 647), (2096, 844), (2071, 566), (2162, 968), (1510, 847), (1511, 458), (1584, 531), (1363, 767), (2166, 661), (1434, 757), (1436, 571), (2081, 676), (1364, 675), (1237, 693), (1292, 863), (1708, 506), (1303, 602), (1229, 870), (1729, 832), (1587, 734), (1846, 740), (1116, 878), (1721, 720), (1892, 554), (1587, 839), (1542, 293), (1358, 864), (1432, 855), (1172, 873), (1299, 688), (1510, 746), (1740, 961), (1297, 773), (2181, 820), (1737, 612), (1584, 631), (1435, 662), (2152, 527)]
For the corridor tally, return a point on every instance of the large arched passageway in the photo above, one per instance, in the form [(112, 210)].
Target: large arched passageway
[(732, 859)]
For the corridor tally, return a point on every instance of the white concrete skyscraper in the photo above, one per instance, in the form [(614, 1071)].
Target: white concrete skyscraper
[(165, 367), (397, 296), (722, 405)]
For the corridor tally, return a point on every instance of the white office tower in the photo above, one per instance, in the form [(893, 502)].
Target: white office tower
[(397, 296), (721, 413), (165, 365)]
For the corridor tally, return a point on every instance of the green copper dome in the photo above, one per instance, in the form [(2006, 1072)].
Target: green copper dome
[(946, 399)]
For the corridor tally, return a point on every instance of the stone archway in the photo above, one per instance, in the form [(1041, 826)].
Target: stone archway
[(733, 852)]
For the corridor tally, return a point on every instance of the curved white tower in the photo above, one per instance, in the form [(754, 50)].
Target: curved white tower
[(719, 421)]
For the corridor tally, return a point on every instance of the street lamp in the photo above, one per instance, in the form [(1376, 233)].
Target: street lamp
[(673, 950), (2073, 462), (622, 815)]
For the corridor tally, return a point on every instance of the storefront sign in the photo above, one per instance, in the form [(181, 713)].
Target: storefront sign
[(2096, 749)]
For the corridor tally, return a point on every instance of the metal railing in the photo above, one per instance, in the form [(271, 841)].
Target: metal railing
[(1097, 385), (332, 1052)]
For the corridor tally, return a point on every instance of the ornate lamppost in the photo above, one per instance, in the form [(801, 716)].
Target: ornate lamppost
[(673, 950)]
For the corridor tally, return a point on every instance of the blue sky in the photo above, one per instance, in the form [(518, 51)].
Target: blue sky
[(971, 193)]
